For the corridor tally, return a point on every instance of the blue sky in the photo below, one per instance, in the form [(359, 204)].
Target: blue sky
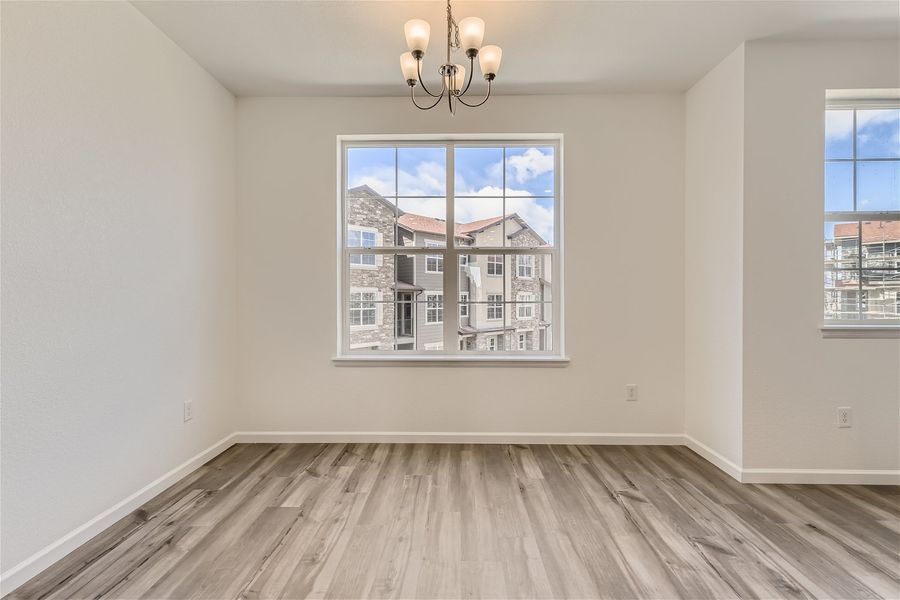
[(421, 173), (877, 183)]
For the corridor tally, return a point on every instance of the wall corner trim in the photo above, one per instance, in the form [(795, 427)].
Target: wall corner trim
[(714, 457), (45, 557)]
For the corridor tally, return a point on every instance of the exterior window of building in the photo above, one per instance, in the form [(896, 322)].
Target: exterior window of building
[(434, 308), (362, 309), (862, 211), (464, 304), (434, 263), (362, 238), (525, 266), (409, 207), (525, 306), (495, 307), (495, 265)]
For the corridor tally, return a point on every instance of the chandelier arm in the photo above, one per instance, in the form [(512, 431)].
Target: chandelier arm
[(419, 72), (412, 95), (471, 71), (480, 103)]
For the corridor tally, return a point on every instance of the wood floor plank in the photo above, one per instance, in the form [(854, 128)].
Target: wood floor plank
[(343, 521)]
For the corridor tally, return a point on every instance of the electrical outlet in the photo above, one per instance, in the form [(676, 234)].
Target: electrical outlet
[(844, 416), (631, 392), (188, 410)]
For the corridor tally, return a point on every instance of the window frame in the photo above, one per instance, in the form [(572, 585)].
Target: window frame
[(858, 327), (526, 303), (464, 304), (452, 251), (439, 309), (495, 305), (438, 258), (525, 261)]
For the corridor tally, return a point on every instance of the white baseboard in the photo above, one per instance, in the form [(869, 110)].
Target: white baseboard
[(712, 456), (817, 476), (44, 558), (822, 476), (452, 437)]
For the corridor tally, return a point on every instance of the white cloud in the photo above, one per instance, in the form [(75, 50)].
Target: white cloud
[(538, 217), (427, 180), (530, 165)]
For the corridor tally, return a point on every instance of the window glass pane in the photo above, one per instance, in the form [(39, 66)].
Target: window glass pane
[(422, 222), (878, 185), (530, 223), (878, 133), (479, 171), (422, 171), (838, 186), (529, 171), (841, 245), (370, 219), (839, 134), (879, 294), (479, 221), (372, 167), (881, 244)]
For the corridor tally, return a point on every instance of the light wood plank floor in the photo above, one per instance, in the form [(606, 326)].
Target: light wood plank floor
[(478, 521)]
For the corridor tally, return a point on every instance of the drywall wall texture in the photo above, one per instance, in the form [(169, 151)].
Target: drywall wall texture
[(623, 175), (714, 152), (118, 263), (793, 379)]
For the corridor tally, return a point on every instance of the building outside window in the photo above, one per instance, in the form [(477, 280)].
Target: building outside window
[(525, 305), (525, 266), (495, 265), (495, 307), (434, 308)]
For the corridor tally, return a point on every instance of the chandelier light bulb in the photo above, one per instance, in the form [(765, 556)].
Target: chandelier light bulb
[(456, 81), (409, 67), (489, 59), (471, 33), (417, 33)]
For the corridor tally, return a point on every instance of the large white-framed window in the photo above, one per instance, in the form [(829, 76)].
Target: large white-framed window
[(491, 206), (862, 211)]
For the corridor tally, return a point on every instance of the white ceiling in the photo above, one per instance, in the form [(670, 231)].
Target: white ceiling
[(352, 48)]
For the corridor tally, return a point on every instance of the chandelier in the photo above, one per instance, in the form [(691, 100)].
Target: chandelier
[(466, 36)]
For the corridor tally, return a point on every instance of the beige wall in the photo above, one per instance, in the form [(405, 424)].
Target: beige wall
[(118, 259), (793, 379), (714, 153), (624, 276)]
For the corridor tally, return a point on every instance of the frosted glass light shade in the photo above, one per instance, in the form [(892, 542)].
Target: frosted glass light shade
[(409, 67), (417, 33), (471, 33), (489, 59), (456, 82)]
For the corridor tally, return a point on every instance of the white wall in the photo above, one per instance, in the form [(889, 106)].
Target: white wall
[(624, 273), (714, 154), (794, 379), (118, 263)]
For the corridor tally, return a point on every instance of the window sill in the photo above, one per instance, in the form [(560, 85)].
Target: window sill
[(860, 331), (480, 360)]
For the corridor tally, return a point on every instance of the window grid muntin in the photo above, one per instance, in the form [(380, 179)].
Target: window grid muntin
[(453, 251), (859, 217)]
